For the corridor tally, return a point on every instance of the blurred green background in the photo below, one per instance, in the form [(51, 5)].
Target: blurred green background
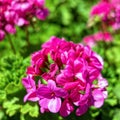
[(68, 19)]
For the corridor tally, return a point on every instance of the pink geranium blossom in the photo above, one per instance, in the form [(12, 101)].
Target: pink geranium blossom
[(20, 13), (30, 86), (102, 9), (50, 96), (66, 108), (2, 35), (108, 11), (91, 40), (67, 72)]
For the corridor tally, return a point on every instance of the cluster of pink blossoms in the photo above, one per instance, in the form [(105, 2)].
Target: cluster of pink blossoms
[(109, 11), (19, 12), (91, 40), (65, 77)]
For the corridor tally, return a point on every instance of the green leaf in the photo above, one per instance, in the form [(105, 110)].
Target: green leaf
[(112, 101), (22, 117), (117, 91), (117, 115), (2, 95), (11, 106), (25, 108), (2, 115), (34, 112), (9, 103), (13, 109), (12, 88)]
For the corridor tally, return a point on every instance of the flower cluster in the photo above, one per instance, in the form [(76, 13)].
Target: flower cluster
[(106, 12), (65, 77), (109, 12), (91, 40), (19, 12)]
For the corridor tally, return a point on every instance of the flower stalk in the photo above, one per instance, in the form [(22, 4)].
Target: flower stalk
[(11, 44), (27, 36)]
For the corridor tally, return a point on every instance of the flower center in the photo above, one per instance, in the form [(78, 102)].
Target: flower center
[(52, 94)]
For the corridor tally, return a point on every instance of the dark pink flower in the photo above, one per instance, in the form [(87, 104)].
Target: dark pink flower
[(42, 13), (2, 35), (67, 72), (81, 110), (10, 29), (102, 9), (98, 98), (66, 108), (100, 92), (20, 13), (109, 13), (30, 86), (106, 36), (50, 96), (91, 40)]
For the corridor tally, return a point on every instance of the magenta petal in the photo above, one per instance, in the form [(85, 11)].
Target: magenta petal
[(78, 65), (10, 29), (70, 85), (80, 77), (54, 105), (66, 108), (99, 61), (44, 91), (21, 22), (102, 83), (81, 110), (53, 69), (51, 84), (25, 6), (31, 96), (98, 103), (44, 103), (64, 57), (68, 72), (29, 83), (89, 40), (97, 94), (61, 79), (98, 97), (93, 73), (60, 92), (46, 76), (30, 70), (105, 94), (103, 8), (85, 97), (2, 35), (42, 13), (40, 2)]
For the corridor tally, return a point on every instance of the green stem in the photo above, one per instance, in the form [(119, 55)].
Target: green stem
[(11, 44), (27, 36), (105, 45)]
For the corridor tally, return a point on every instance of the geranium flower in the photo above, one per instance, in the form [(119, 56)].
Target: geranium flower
[(20, 13), (50, 96), (108, 12), (67, 72), (102, 9), (30, 86), (92, 40)]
